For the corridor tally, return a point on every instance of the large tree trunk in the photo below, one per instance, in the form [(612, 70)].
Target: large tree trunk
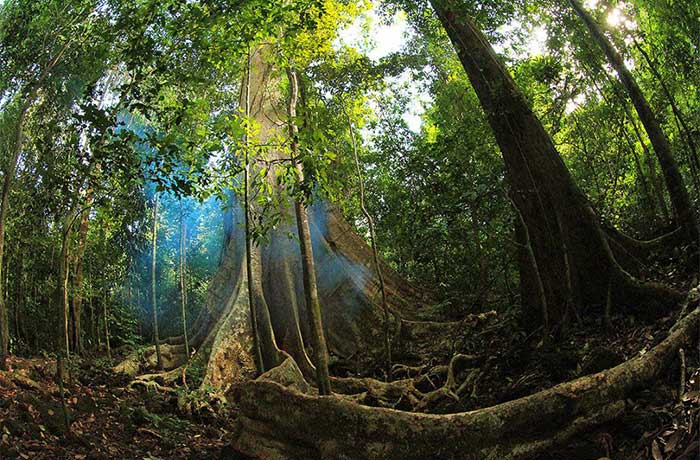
[(573, 257), (266, 349), (680, 200), (222, 334)]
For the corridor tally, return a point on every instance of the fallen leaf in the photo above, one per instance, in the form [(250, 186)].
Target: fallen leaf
[(673, 441), (656, 451)]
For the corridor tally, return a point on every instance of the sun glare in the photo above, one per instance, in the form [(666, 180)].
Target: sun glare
[(615, 18)]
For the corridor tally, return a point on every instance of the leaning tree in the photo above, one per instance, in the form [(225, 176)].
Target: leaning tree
[(678, 193), (568, 263)]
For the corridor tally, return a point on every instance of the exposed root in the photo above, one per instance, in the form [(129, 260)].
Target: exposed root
[(151, 386), (399, 394), (451, 389), (137, 361), (21, 381), (277, 421), (416, 330), (169, 378), (691, 302), (642, 248), (404, 371)]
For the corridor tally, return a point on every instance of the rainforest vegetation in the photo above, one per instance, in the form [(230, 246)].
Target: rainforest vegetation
[(340, 229)]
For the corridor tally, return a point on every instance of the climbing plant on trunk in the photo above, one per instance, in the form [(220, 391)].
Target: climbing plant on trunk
[(313, 305)]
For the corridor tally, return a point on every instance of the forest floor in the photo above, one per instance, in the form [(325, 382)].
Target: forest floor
[(111, 419)]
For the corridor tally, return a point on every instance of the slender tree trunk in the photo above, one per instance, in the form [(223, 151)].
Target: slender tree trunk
[(96, 319), (183, 280), (313, 304), (94, 329), (375, 252), (78, 281), (105, 313), (8, 179), (154, 300), (483, 286), (651, 165), (674, 181), (63, 269), (646, 190), (683, 127), (20, 296)]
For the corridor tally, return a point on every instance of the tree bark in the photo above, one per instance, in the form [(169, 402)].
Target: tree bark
[(62, 291), (105, 313), (94, 329), (682, 207), (264, 345)]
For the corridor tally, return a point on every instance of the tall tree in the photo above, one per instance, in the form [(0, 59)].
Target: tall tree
[(573, 256), (78, 295), (683, 210), (154, 298), (182, 272), (267, 353)]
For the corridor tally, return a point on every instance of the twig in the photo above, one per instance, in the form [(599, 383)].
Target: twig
[(151, 432), (681, 383)]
